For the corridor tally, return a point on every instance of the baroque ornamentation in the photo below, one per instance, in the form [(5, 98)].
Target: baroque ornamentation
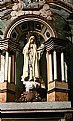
[(21, 8)]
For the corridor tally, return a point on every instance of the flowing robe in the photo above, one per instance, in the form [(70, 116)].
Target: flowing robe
[(28, 71)]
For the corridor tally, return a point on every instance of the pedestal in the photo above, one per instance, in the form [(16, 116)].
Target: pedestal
[(58, 91), (7, 92), (34, 111)]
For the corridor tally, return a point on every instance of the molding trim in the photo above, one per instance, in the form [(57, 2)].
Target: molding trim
[(26, 18), (7, 91), (58, 90)]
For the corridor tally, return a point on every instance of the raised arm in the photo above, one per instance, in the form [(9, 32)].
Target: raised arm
[(40, 51)]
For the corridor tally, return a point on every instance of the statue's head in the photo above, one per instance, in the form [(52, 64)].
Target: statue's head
[(32, 39)]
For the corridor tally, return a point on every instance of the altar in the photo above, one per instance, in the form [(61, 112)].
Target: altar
[(32, 111)]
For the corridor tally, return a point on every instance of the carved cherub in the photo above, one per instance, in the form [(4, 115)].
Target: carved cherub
[(13, 8), (18, 9), (46, 12)]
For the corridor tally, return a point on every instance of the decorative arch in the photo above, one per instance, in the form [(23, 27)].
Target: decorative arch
[(46, 27)]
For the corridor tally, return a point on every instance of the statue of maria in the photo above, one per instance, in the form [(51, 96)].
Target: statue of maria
[(31, 61), (31, 74)]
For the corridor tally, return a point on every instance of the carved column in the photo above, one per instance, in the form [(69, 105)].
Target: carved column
[(1, 68), (13, 69), (47, 58), (9, 70), (66, 69), (11, 88), (62, 66), (55, 65), (50, 66), (6, 66), (48, 74)]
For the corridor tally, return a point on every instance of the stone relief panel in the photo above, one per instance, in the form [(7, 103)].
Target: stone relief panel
[(11, 10), (21, 9)]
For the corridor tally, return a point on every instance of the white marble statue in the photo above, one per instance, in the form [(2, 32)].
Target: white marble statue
[(31, 62)]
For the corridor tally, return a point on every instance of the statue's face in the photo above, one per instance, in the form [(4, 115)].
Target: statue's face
[(32, 39)]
